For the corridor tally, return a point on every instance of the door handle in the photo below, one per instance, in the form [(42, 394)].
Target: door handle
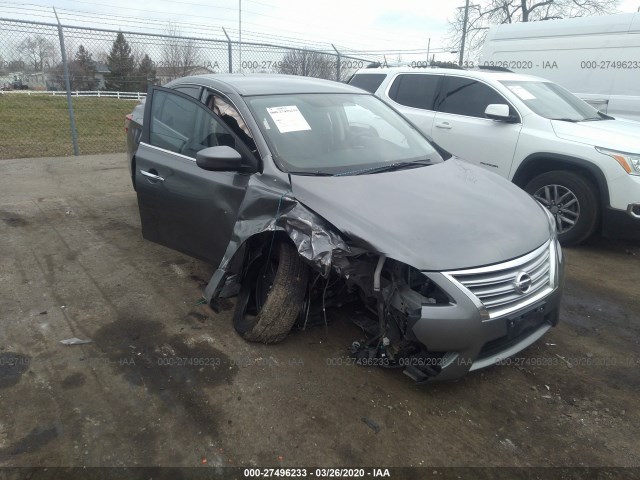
[(446, 125), (152, 176)]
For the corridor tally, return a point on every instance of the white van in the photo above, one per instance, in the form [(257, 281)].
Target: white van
[(596, 58)]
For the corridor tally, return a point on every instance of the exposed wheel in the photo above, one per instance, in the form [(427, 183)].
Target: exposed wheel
[(571, 199), (271, 295)]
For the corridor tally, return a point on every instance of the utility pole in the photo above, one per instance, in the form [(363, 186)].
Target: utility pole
[(240, 33), (428, 49), (464, 32)]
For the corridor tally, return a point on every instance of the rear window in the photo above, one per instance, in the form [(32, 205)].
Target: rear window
[(367, 81), (415, 90)]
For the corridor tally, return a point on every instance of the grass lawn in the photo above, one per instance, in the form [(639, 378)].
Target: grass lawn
[(38, 125)]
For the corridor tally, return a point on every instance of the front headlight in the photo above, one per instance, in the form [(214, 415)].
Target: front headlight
[(629, 161)]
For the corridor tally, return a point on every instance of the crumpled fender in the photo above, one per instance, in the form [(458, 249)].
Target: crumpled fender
[(266, 209)]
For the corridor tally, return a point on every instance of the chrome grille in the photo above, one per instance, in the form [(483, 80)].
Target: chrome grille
[(495, 286)]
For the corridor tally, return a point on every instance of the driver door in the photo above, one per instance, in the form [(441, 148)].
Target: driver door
[(182, 206)]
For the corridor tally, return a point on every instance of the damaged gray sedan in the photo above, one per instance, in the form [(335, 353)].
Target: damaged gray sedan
[(306, 193)]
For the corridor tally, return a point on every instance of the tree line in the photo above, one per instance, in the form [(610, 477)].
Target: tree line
[(121, 70)]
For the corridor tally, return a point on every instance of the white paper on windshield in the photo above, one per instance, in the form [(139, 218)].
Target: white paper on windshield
[(288, 119), (522, 92)]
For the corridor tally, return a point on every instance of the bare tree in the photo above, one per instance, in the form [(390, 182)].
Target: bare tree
[(485, 13), (179, 55), (39, 50), (309, 64), (15, 65)]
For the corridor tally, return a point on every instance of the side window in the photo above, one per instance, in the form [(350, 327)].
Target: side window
[(367, 81), (185, 126), (415, 90), (231, 117), (464, 96), (191, 90)]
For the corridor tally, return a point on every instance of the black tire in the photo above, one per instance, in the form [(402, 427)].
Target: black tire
[(271, 295), (586, 201)]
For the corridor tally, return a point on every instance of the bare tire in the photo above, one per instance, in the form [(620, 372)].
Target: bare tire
[(271, 295), (571, 199)]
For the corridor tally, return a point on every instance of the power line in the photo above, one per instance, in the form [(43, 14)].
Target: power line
[(157, 24), (78, 15), (360, 38)]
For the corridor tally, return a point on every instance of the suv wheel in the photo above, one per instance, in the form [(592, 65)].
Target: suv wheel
[(571, 199), (271, 295)]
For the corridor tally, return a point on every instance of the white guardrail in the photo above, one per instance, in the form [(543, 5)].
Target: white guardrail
[(79, 93)]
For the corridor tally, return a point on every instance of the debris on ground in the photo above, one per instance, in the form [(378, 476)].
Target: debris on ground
[(569, 364), (508, 444), (75, 341), (371, 424)]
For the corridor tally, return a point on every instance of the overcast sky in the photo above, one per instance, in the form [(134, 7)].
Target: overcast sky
[(366, 25)]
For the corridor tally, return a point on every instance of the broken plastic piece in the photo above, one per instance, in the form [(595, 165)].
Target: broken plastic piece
[(75, 341), (371, 424)]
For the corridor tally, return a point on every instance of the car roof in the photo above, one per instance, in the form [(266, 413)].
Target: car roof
[(265, 84), (480, 74)]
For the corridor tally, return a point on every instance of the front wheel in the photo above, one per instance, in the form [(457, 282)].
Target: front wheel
[(271, 295), (572, 201)]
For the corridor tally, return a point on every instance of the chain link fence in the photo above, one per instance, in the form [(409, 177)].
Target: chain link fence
[(65, 90)]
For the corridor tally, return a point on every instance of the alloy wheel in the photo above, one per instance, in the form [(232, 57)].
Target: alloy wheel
[(562, 203)]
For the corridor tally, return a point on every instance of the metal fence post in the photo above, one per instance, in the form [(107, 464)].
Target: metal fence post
[(337, 63), (230, 51), (72, 117)]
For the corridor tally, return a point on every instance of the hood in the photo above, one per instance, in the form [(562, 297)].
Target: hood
[(446, 216), (621, 135)]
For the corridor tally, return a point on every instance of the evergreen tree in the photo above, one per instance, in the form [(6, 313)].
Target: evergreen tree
[(146, 73), (85, 70), (121, 66)]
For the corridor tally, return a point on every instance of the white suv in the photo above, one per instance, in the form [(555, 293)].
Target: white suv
[(583, 165)]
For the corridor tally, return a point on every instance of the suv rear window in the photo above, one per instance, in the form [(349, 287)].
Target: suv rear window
[(415, 90), (464, 96), (367, 81)]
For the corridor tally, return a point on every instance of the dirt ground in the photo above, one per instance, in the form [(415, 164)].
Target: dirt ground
[(73, 264)]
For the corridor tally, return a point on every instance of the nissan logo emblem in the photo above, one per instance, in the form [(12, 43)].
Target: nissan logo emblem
[(522, 282)]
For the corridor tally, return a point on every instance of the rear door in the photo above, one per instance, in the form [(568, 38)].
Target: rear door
[(181, 205), (414, 94), (461, 127)]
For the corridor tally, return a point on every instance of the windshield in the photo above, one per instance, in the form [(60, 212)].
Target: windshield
[(552, 101), (341, 133)]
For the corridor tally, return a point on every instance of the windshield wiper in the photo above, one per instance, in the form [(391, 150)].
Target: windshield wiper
[(312, 174), (388, 168), (572, 120)]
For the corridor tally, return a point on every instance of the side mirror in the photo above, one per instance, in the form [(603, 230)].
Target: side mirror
[(223, 159), (499, 111)]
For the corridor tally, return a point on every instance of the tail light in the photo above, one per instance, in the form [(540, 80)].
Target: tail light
[(127, 120)]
